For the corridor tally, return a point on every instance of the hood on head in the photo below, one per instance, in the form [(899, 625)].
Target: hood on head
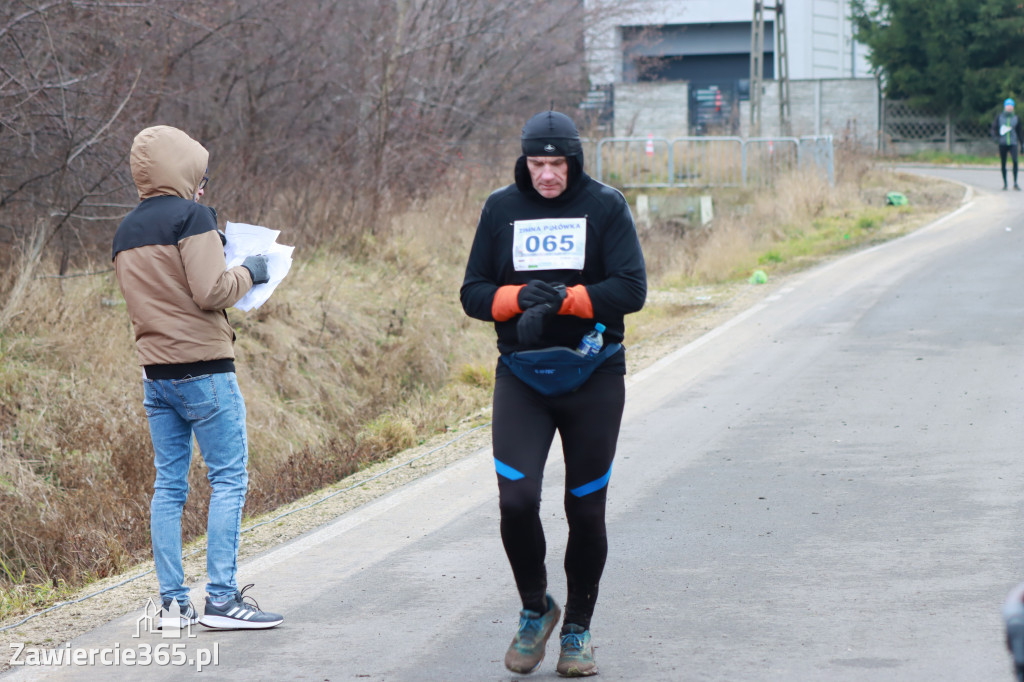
[(166, 161), (550, 133)]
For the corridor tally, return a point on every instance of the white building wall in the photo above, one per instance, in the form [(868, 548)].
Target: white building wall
[(822, 33), (819, 32), (603, 40)]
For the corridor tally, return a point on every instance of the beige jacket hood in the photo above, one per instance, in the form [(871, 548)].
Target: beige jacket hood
[(166, 161), (169, 261)]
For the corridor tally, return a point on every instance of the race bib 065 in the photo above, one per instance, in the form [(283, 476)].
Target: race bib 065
[(550, 244)]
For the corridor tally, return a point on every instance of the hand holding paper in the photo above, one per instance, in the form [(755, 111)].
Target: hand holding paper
[(251, 240)]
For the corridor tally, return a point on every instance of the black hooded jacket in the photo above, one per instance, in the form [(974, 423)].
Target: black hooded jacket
[(1012, 137), (613, 272)]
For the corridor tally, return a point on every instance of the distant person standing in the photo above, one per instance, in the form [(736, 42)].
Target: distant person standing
[(555, 258), (169, 260), (1007, 131)]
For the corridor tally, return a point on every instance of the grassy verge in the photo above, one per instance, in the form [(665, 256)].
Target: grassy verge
[(948, 158), (362, 352)]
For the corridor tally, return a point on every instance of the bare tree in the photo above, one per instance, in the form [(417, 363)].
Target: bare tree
[(63, 97), (325, 111)]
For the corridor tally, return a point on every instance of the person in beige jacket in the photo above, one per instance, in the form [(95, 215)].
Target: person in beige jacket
[(169, 260)]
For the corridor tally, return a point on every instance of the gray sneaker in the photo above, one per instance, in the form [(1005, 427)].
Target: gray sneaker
[(1013, 617), (236, 614), (526, 651), (187, 615), (577, 656)]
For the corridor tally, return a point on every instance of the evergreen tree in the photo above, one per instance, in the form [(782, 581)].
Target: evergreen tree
[(962, 57)]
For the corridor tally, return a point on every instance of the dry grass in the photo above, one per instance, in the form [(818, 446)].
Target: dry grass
[(799, 221), (362, 352), (354, 358)]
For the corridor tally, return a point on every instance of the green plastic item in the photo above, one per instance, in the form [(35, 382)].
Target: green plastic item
[(759, 277), (896, 199)]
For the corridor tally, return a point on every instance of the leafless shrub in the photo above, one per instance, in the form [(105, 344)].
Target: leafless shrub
[(321, 119)]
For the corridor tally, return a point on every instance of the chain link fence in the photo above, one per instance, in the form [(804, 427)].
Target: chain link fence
[(636, 162)]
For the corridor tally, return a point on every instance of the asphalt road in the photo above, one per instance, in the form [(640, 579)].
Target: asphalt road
[(827, 487)]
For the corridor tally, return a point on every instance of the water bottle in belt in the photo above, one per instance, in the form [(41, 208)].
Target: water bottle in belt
[(592, 343)]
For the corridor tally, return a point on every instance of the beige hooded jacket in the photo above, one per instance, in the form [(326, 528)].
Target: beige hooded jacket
[(169, 259)]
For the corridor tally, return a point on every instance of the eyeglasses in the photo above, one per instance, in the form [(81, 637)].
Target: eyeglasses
[(202, 183)]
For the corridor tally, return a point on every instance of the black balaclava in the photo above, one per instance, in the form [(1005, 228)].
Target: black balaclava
[(550, 133)]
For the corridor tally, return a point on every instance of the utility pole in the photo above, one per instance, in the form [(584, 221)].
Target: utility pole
[(757, 66), (781, 49)]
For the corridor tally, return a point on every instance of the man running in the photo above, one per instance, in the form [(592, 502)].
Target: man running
[(555, 256), (1007, 131)]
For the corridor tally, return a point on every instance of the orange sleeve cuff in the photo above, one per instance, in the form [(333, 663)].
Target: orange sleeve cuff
[(506, 302), (577, 302)]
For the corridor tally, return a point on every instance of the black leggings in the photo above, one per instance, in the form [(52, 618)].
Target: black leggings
[(524, 426), (1012, 149)]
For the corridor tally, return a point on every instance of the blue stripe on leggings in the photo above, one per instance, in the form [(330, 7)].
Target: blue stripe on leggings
[(593, 486), (507, 471)]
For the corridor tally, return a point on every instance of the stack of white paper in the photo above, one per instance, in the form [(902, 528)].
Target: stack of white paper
[(251, 240)]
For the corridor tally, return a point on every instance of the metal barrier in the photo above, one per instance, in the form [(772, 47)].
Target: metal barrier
[(708, 162), (631, 162), (635, 161), (819, 152), (768, 158)]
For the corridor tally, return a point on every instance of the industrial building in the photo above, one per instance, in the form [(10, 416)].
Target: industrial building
[(635, 53)]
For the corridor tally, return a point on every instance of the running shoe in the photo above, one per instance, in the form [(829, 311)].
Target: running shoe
[(526, 651), (187, 615), (577, 656), (1013, 616), (237, 614)]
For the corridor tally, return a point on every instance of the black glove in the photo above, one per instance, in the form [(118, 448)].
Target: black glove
[(531, 323), (223, 238), (537, 292), (257, 267)]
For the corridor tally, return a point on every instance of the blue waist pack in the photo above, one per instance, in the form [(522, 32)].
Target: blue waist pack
[(558, 370)]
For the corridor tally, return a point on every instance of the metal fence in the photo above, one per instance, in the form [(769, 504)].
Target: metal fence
[(817, 151), (906, 129), (707, 161), (630, 162)]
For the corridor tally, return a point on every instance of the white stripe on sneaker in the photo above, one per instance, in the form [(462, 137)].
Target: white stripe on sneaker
[(223, 622)]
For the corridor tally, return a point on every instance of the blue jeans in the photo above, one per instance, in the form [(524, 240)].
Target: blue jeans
[(212, 408)]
